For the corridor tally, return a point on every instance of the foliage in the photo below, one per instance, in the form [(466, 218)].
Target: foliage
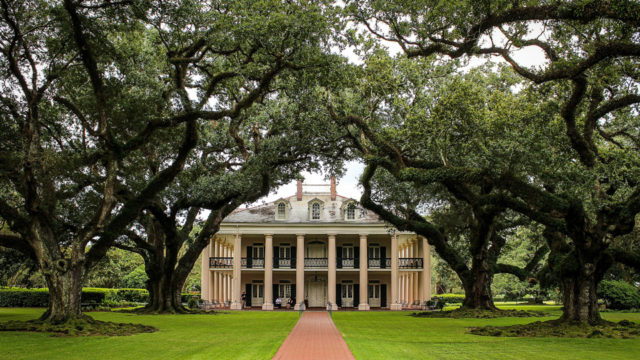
[(114, 270), (19, 297), (619, 295), (136, 279)]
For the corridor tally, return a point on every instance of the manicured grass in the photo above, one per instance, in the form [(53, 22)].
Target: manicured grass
[(397, 335), (233, 335)]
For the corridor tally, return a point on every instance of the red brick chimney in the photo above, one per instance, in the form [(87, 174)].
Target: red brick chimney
[(299, 194), (333, 188)]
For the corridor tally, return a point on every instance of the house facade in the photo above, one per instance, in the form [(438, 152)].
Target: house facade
[(318, 248)]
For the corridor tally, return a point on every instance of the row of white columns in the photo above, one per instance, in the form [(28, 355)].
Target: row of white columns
[(406, 287), (219, 285)]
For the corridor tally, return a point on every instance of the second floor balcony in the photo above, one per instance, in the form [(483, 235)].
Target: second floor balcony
[(316, 263)]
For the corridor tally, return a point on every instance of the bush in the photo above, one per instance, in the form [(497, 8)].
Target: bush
[(18, 297), (451, 298), (619, 295)]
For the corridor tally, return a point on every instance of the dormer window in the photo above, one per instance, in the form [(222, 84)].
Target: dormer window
[(348, 209), (315, 209), (282, 209), (351, 211)]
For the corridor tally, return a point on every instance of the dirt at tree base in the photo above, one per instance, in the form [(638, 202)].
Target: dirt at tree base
[(624, 329), (85, 326), (479, 314)]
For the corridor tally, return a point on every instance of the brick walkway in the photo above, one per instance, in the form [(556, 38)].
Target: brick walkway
[(314, 337)]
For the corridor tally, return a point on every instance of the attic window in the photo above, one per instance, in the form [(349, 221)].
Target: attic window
[(351, 211), (315, 211), (281, 210)]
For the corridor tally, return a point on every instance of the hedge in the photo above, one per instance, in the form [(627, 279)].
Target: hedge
[(450, 298), (19, 297)]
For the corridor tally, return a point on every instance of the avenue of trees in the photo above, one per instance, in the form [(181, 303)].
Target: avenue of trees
[(139, 126)]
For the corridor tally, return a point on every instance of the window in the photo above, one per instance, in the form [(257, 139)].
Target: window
[(284, 291), (284, 252), (258, 252), (281, 210), (351, 211), (315, 211)]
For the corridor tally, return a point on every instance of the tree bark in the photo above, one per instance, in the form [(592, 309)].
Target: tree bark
[(580, 300), (165, 289), (477, 286), (65, 293)]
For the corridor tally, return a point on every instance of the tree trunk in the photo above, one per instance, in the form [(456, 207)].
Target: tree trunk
[(580, 300), (477, 288), (164, 291), (65, 292)]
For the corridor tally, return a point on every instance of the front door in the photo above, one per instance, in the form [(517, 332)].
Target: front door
[(347, 295), (317, 293), (374, 295), (257, 294)]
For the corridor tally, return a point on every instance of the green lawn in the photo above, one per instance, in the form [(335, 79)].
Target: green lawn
[(385, 335), (234, 335), (258, 335)]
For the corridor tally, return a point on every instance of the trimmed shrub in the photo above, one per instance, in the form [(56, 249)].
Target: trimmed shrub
[(451, 298), (619, 295), (17, 297)]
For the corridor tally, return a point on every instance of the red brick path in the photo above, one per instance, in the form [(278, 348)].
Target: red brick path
[(314, 337)]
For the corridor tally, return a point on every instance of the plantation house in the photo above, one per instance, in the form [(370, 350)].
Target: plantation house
[(320, 248)]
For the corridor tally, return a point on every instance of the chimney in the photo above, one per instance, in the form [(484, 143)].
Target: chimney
[(299, 194), (333, 188)]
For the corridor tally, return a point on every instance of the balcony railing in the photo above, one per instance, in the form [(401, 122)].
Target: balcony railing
[(348, 263), (252, 263), (316, 262), (410, 263), (379, 263), (220, 262), (284, 263)]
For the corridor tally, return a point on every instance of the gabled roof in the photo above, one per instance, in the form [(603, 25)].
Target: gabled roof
[(299, 211)]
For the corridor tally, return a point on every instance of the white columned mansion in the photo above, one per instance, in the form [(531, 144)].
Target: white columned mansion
[(319, 248)]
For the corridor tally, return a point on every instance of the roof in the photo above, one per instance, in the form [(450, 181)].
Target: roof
[(298, 211)]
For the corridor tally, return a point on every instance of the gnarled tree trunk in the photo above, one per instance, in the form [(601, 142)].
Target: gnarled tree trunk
[(580, 300), (477, 285), (165, 289), (65, 292)]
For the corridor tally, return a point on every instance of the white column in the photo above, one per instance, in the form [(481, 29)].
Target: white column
[(299, 271), (331, 273), (212, 278), (236, 301), (425, 294), (395, 300), (268, 272), (364, 278), (225, 288), (410, 277), (205, 275)]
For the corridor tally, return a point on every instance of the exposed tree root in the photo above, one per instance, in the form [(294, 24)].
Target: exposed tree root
[(555, 328), (78, 326), (479, 314)]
